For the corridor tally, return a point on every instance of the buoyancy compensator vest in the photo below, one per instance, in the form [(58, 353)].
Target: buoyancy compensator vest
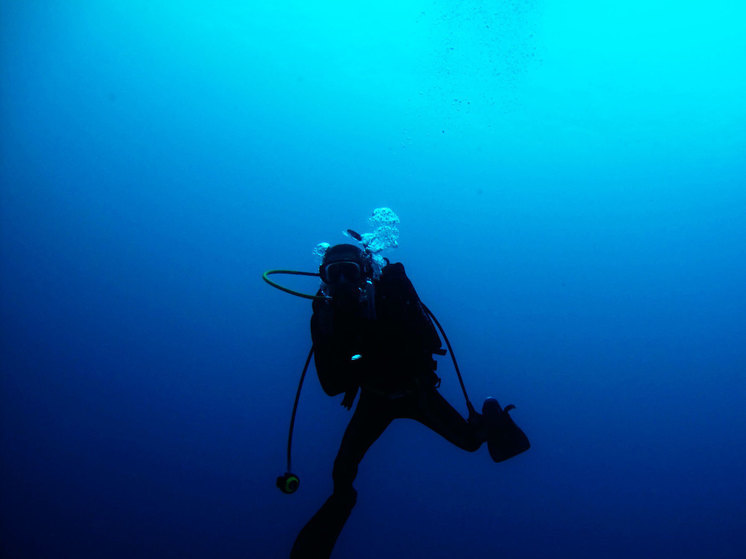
[(388, 351)]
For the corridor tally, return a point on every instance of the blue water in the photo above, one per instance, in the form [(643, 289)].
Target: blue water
[(571, 182)]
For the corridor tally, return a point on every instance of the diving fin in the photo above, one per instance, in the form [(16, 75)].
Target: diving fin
[(504, 438)]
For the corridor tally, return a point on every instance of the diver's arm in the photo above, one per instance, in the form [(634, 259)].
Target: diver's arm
[(335, 344)]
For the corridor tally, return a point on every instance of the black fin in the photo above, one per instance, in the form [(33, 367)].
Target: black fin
[(505, 438)]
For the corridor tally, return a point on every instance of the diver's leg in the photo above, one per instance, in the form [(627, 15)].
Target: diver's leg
[(432, 410), (317, 538), (371, 417)]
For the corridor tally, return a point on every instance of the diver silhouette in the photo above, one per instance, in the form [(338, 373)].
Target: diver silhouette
[(371, 334)]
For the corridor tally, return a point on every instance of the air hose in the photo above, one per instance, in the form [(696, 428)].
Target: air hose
[(285, 289), (289, 482), (469, 405)]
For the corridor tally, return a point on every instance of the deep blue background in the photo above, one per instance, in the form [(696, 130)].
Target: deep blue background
[(571, 180)]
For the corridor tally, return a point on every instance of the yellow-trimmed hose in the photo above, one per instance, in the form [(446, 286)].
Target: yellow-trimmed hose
[(285, 289)]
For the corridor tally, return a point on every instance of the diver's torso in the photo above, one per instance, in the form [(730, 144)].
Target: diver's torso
[(397, 357)]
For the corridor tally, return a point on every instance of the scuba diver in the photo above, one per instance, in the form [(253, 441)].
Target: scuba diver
[(373, 336)]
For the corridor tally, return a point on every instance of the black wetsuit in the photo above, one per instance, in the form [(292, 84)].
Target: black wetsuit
[(394, 370)]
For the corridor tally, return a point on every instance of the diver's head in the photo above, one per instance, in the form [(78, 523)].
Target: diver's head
[(345, 265)]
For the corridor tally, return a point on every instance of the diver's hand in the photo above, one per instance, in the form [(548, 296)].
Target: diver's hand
[(349, 398)]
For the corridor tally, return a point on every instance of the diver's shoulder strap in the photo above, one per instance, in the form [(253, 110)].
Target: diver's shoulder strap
[(397, 298)]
